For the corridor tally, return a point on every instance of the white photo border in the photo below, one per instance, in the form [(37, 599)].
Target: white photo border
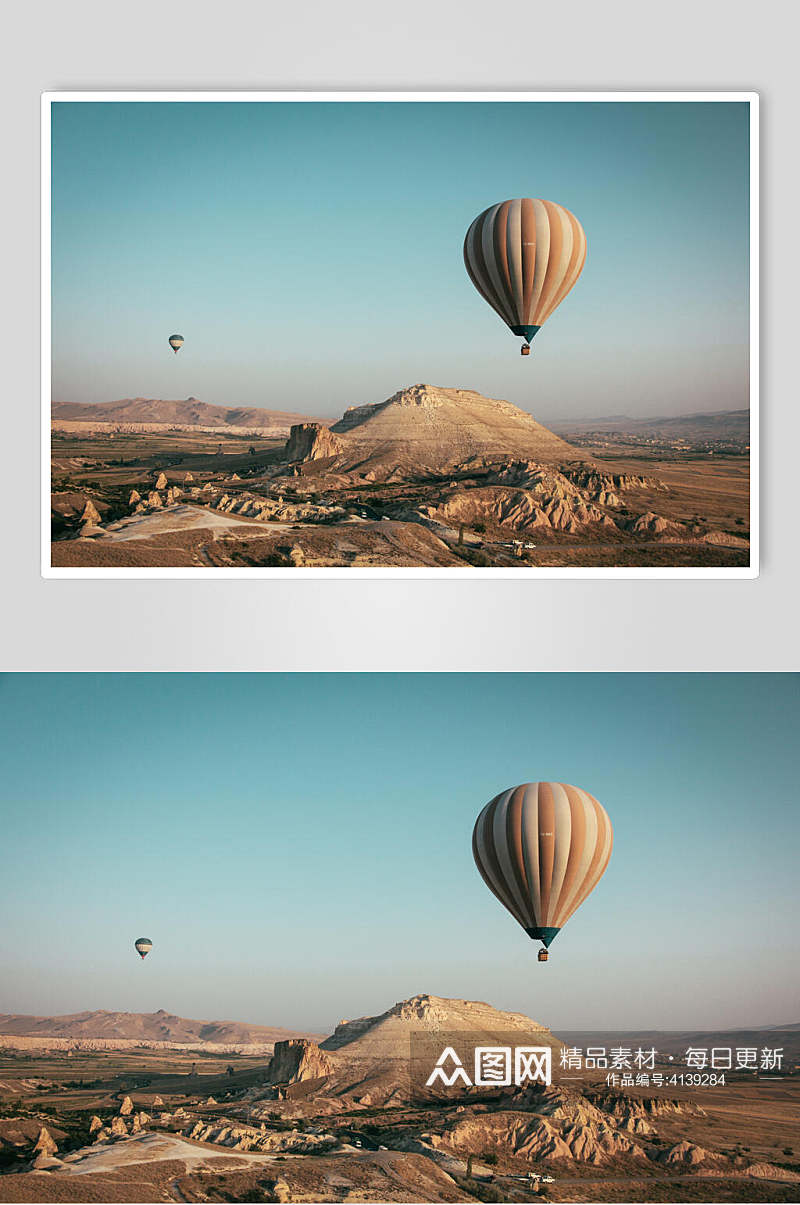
[(469, 572)]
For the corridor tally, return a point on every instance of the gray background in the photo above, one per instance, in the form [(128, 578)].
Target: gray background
[(399, 624)]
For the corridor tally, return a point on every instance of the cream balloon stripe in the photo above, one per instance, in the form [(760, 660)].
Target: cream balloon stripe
[(524, 256), (540, 849)]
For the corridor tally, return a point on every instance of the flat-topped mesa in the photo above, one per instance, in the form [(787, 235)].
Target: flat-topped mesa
[(312, 441), (433, 1010), (384, 1035), (426, 427), (428, 397)]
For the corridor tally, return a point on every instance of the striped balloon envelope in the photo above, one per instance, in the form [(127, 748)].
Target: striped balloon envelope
[(523, 257), (176, 343), (541, 848)]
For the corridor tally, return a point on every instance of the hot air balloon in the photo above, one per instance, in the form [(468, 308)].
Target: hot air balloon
[(176, 343), (541, 848), (524, 256), (143, 946)]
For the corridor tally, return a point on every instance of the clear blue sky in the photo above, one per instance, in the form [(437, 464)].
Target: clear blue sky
[(298, 846), (311, 253)]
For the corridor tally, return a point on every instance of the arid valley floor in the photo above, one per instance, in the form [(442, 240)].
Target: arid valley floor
[(432, 477), (129, 1107)]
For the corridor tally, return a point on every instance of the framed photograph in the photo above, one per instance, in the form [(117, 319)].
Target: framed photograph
[(513, 959), (413, 334)]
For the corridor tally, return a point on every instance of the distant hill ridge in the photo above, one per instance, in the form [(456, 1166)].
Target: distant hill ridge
[(677, 1041), (160, 1026), (369, 1035), (719, 424), (188, 412)]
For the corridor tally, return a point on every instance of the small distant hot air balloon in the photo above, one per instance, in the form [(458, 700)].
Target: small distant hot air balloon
[(541, 848), (143, 946), (523, 257), (176, 343)]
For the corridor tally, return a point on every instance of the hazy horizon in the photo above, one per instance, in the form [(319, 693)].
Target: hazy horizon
[(310, 253), (297, 846), (554, 419), (327, 1029)]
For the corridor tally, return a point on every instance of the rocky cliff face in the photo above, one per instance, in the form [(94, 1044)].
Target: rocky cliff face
[(298, 1059), (312, 441)]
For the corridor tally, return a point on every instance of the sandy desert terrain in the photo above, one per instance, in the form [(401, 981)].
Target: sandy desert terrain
[(348, 1117), (431, 477)]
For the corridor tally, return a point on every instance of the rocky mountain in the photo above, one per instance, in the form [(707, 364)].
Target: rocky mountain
[(363, 1065), (386, 1035), (366, 1061), (426, 428), (160, 1026), (188, 412)]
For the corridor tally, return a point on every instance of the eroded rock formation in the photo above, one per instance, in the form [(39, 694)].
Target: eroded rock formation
[(312, 441), (298, 1059)]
